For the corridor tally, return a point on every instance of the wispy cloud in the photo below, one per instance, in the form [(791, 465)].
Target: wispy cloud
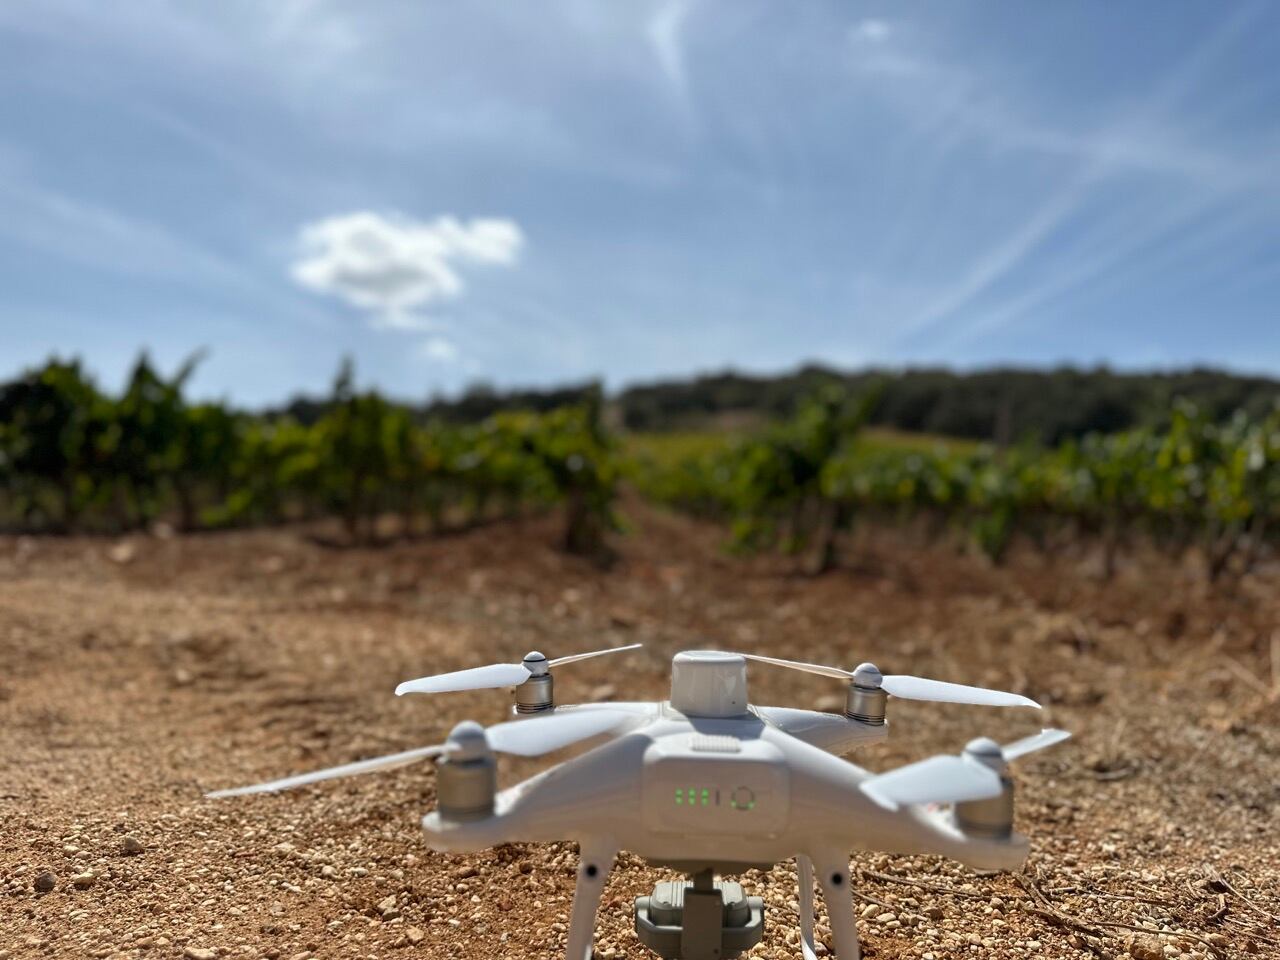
[(1000, 260), (81, 230), (665, 32), (1140, 141)]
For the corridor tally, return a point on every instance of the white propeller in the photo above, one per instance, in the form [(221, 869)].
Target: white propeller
[(525, 738), (936, 780), (1037, 741), (907, 687), (498, 674), (975, 775)]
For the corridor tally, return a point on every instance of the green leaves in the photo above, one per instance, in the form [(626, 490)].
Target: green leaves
[(71, 455), (1216, 484)]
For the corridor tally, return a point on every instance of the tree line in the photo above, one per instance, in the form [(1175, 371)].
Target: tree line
[(1195, 484), (74, 458), (1004, 405)]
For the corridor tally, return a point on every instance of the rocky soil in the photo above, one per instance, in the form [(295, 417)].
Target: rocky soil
[(136, 675)]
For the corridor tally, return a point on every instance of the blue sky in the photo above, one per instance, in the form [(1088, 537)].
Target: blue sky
[(535, 193)]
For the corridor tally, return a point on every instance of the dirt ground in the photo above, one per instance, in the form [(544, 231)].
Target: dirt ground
[(136, 675)]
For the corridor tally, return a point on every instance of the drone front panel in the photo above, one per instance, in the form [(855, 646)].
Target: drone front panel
[(698, 785)]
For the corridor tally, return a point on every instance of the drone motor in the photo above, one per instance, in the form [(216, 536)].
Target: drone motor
[(467, 776), (531, 678), (537, 694), (865, 699)]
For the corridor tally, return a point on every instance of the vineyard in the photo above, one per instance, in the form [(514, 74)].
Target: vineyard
[(1200, 485), (75, 459), (72, 458), (336, 550)]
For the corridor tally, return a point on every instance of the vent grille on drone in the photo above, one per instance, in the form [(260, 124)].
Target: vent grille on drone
[(710, 743)]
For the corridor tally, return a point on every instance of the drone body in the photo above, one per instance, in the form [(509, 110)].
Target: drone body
[(706, 784)]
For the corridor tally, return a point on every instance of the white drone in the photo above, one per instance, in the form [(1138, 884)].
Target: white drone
[(707, 783)]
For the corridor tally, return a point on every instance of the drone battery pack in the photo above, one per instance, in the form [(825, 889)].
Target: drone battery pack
[(705, 786)]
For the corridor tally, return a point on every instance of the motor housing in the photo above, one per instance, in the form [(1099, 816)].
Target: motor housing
[(467, 775), (537, 694), (992, 817), (865, 700)]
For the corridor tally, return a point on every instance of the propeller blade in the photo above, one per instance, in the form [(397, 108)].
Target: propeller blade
[(936, 780), (918, 688), (525, 738), (493, 676), (539, 735), (1038, 741), (389, 762), (574, 658), (912, 688), (817, 668), (477, 678)]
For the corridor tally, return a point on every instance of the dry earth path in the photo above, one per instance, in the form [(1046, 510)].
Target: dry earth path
[(136, 675)]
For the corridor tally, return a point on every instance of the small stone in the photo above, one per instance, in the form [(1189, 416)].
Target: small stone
[(463, 873), (388, 908), (83, 881), (415, 935), (886, 918), (46, 881), (199, 953), (131, 846), (1145, 948)]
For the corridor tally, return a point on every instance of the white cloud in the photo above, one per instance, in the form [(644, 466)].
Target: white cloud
[(439, 349), (390, 266), (873, 52), (870, 31)]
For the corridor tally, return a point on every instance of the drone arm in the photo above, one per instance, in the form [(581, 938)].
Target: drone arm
[(594, 864), (828, 797), (826, 731)]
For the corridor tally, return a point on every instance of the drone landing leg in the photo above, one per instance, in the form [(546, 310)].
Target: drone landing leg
[(804, 874), (594, 864), (833, 875)]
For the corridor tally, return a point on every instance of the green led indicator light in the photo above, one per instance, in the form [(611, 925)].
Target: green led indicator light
[(679, 796), (706, 796)]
